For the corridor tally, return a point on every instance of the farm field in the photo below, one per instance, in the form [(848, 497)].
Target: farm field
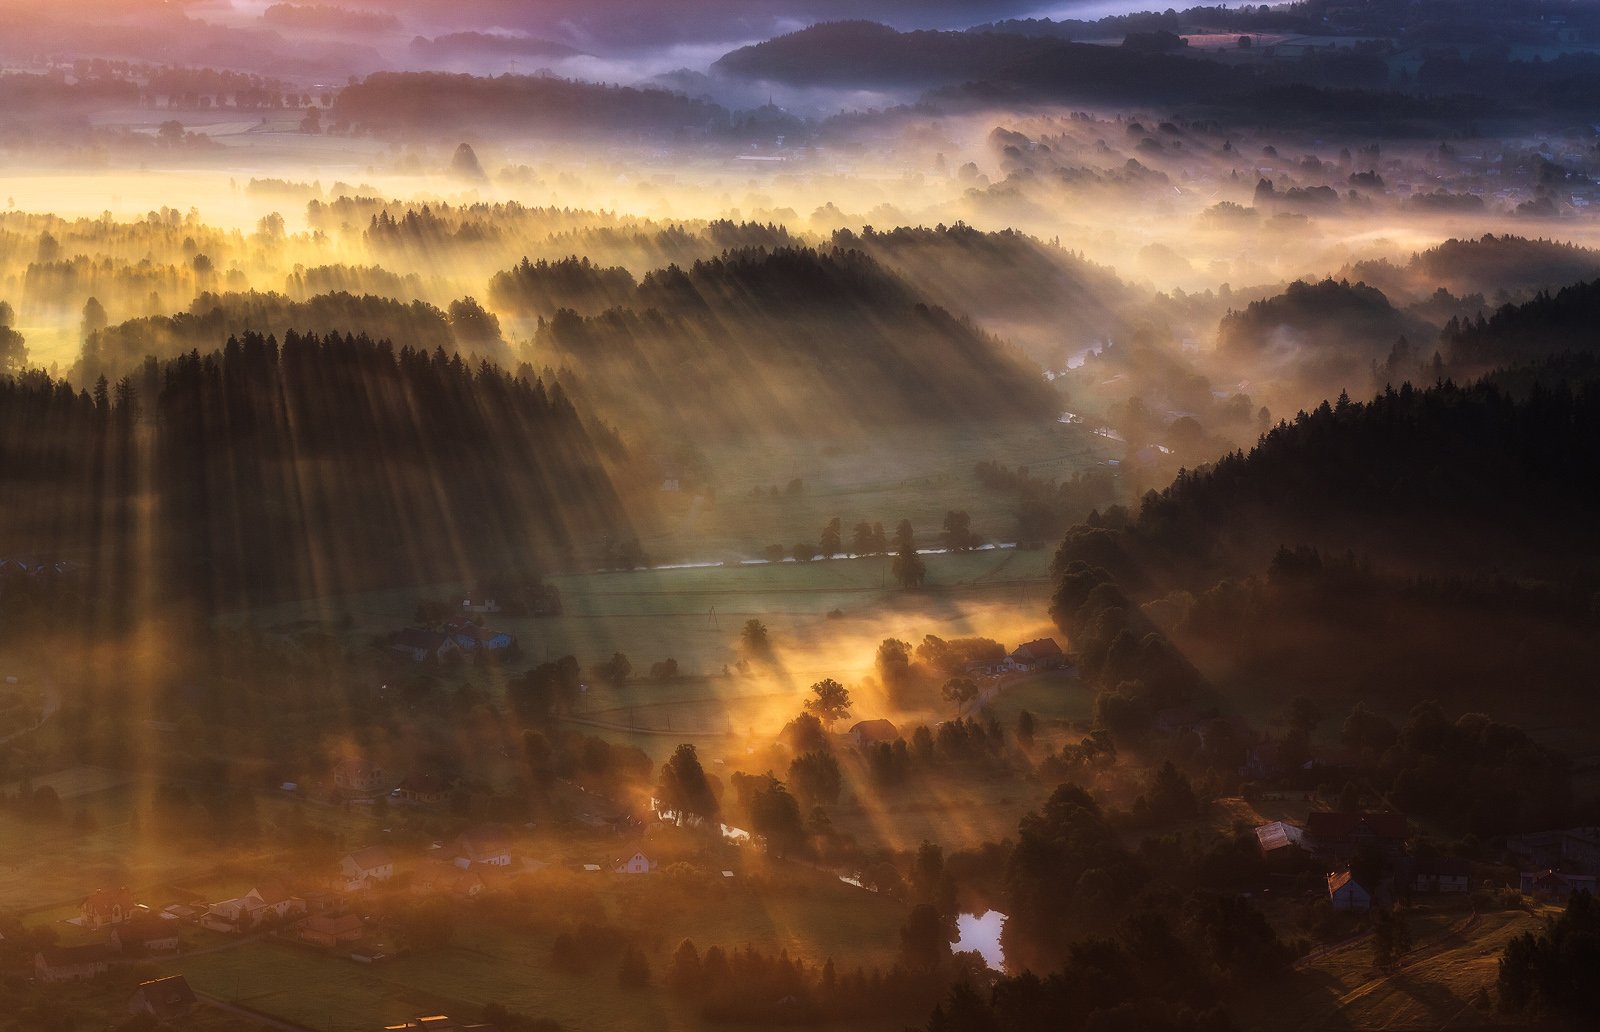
[(487, 962), (1455, 954)]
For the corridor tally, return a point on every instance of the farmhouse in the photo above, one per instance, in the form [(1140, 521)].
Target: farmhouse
[(486, 844), (268, 902), (1556, 885), (638, 863), (365, 867), (107, 907), (418, 644), (1345, 893), (71, 963), (145, 935), (480, 603), (324, 930), (1039, 654), (165, 999), (469, 637), (359, 776), (422, 790), (1279, 835), (872, 732), (1431, 876), (1573, 849)]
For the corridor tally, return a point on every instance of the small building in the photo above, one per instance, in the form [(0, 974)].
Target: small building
[(872, 732), (1345, 893), (327, 930), (419, 644), (106, 907), (1277, 836), (480, 603), (72, 963), (1439, 876), (275, 900), (1039, 654), (469, 637), (145, 935), (638, 863), (359, 777), (365, 867), (1556, 885), (487, 844), (422, 790), (165, 999)]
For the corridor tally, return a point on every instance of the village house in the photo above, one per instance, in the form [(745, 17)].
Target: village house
[(327, 930), (1277, 836), (486, 844), (1556, 885), (144, 935), (480, 603), (165, 999), (364, 868), (1426, 877), (1345, 893), (638, 863), (418, 644), (359, 777), (470, 637), (421, 790), (1569, 849), (1343, 835), (1040, 654), (107, 907), (267, 903), (872, 732), (72, 963)]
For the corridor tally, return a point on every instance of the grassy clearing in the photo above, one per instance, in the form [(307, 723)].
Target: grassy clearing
[(488, 962), (1454, 956)]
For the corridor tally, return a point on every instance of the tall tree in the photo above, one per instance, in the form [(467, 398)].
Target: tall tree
[(683, 787), (832, 702)]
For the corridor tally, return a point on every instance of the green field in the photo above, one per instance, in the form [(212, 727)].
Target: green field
[(1455, 954), (486, 962)]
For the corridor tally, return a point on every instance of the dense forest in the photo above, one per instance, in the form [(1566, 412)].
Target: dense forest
[(797, 339), (1369, 476), (263, 471), (453, 103)]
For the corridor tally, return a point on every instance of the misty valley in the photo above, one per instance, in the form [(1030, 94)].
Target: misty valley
[(950, 516)]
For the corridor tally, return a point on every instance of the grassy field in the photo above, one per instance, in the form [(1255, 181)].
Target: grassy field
[(916, 473), (487, 962), (1454, 957)]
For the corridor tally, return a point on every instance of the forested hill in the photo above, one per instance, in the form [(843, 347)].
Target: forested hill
[(791, 339), (1546, 325), (1450, 480), (114, 351), (324, 465), (524, 103)]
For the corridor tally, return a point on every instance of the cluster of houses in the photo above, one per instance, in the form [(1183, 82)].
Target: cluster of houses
[(460, 637), (322, 917), (1555, 864), (130, 931)]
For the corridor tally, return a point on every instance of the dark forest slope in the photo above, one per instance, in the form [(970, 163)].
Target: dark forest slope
[(323, 465), (791, 339)]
